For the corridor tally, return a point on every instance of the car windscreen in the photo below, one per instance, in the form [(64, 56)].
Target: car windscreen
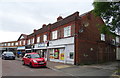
[(35, 56), (9, 54)]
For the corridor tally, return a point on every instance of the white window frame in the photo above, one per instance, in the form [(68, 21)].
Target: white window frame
[(38, 39), (67, 31), (8, 44), (103, 37), (28, 41), (16, 43), (20, 42), (23, 42), (32, 40), (117, 40), (44, 37), (54, 34), (12, 44)]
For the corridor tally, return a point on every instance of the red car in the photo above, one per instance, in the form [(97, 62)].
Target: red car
[(33, 60)]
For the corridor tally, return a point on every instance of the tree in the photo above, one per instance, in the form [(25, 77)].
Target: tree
[(110, 13)]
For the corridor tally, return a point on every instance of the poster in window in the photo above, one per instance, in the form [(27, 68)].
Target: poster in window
[(56, 54), (62, 56)]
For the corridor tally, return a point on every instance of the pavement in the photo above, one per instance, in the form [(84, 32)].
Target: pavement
[(105, 69)]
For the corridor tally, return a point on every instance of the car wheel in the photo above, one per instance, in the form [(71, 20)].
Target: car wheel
[(30, 65), (4, 58)]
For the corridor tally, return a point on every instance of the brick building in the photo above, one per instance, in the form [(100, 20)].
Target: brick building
[(75, 39)]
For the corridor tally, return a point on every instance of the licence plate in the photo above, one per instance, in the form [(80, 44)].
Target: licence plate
[(41, 62)]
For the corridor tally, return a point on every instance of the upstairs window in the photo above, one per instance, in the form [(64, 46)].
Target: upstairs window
[(117, 40), (28, 41), (12, 44), (16, 43), (20, 42), (8, 44), (54, 34), (38, 39), (5, 44), (67, 31), (103, 37), (24, 42), (44, 37), (33, 41)]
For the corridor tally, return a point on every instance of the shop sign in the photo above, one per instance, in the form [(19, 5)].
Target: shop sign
[(21, 48), (40, 45)]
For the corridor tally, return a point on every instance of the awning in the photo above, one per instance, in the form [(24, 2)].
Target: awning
[(56, 47)]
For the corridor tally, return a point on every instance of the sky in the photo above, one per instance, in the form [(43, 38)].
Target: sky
[(23, 16)]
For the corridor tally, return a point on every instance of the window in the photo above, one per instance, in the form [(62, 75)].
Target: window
[(67, 31), (33, 41), (71, 55), (44, 38), (54, 34), (24, 42), (16, 43), (5, 44), (20, 42), (103, 37), (38, 39), (117, 39), (28, 41), (12, 44), (8, 44)]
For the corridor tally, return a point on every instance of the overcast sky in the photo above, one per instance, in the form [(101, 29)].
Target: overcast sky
[(22, 16)]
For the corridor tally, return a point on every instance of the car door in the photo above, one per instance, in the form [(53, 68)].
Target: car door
[(28, 59), (25, 58)]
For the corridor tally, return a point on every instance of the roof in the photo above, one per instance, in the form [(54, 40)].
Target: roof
[(24, 35)]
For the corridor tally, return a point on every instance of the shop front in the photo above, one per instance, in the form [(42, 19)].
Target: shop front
[(29, 48), (20, 51), (41, 48), (62, 50)]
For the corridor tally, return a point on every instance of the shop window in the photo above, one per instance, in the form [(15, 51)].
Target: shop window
[(54, 34), (67, 31), (51, 54), (71, 55), (56, 53)]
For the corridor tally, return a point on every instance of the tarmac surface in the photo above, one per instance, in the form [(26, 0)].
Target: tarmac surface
[(15, 68)]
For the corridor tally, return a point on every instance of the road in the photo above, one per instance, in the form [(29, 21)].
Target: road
[(15, 68)]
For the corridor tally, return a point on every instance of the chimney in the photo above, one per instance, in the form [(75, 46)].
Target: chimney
[(59, 18), (43, 25), (34, 30)]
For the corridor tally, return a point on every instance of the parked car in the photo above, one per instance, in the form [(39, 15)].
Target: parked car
[(8, 55), (33, 60)]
